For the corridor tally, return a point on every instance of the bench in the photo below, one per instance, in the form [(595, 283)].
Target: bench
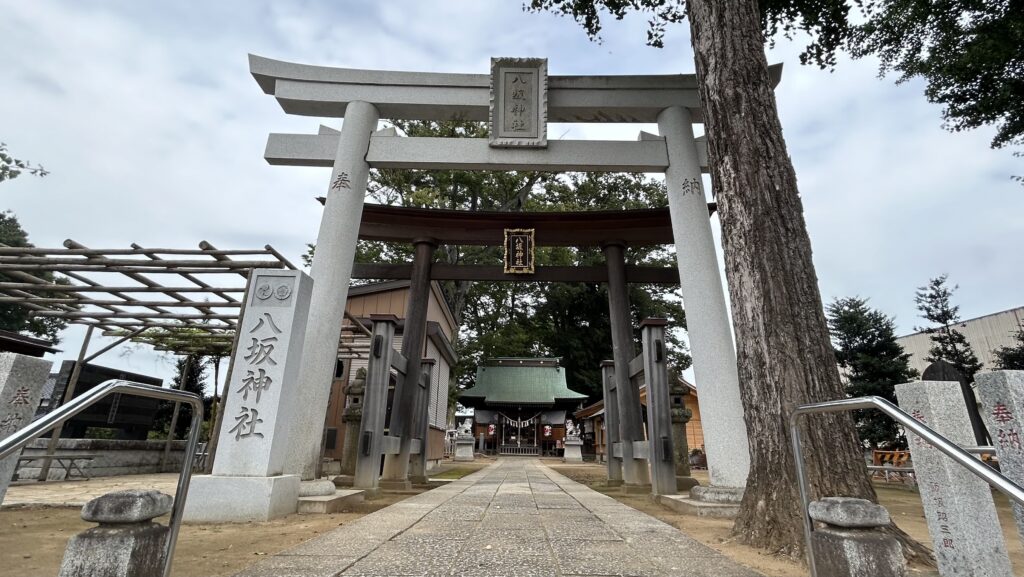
[(71, 463), (891, 465)]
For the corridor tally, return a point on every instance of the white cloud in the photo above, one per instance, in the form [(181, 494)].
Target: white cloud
[(154, 132)]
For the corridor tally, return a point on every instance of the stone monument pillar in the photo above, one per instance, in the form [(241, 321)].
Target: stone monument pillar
[(958, 506), (351, 416), (21, 385), (262, 408), (1002, 398), (680, 416), (707, 319), (331, 271)]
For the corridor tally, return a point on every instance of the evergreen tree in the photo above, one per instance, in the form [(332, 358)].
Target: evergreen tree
[(1011, 358), (17, 318), (948, 344), (192, 381), (873, 362)]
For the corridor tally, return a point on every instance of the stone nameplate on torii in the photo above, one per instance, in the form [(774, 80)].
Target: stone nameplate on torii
[(519, 102)]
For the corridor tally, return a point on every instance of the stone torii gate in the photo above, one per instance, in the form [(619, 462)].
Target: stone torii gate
[(519, 99)]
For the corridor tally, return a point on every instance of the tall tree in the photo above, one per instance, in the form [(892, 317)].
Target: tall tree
[(934, 300), (17, 318), (784, 352), (873, 362), (1011, 358), (189, 376), (11, 168)]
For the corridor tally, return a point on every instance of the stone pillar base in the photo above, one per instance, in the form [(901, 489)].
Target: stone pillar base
[(464, 449), (224, 499), (684, 484), (418, 479), (633, 489), (573, 452), (395, 485), (613, 483), (710, 501)]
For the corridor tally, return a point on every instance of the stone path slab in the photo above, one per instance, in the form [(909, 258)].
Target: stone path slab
[(517, 518)]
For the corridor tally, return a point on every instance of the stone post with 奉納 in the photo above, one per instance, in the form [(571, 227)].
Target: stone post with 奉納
[(1002, 398), (262, 406), (958, 506), (21, 385)]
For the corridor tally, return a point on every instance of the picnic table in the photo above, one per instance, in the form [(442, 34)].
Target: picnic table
[(72, 463)]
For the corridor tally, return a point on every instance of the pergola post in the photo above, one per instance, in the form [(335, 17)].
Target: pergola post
[(396, 467), (611, 423), (331, 271), (707, 319), (631, 425)]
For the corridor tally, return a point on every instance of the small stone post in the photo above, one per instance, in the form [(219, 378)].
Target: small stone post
[(127, 542), (262, 406), (21, 385), (958, 506), (351, 416), (1002, 399), (851, 544), (680, 416), (659, 417), (611, 424)]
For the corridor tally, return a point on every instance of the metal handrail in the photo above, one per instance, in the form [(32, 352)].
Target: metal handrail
[(61, 414), (947, 447)]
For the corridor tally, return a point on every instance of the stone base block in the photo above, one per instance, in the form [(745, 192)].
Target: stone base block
[(572, 454), (715, 494), (395, 485), (343, 480), (418, 479), (225, 499), (613, 483), (323, 504), (689, 506), (632, 489), (684, 484), (852, 553), (126, 549), (318, 488)]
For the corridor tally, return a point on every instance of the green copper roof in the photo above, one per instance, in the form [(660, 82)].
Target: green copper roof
[(510, 381)]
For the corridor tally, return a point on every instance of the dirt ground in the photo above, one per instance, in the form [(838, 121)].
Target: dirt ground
[(32, 539), (904, 506)]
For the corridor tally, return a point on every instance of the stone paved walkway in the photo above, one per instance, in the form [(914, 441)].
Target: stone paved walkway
[(515, 518)]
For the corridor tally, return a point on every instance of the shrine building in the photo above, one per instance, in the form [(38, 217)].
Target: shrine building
[(520, 405)]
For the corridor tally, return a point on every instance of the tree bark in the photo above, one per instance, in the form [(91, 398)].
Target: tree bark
[(784, 353)]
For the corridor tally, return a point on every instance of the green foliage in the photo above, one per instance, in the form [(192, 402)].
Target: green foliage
[(192, 381), (948, 344), (11, 168), (1011, 358), (873, 364), (15, 317), (970, 53)]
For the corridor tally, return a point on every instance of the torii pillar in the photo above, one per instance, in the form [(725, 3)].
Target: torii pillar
[(331, 271), (707, 319)]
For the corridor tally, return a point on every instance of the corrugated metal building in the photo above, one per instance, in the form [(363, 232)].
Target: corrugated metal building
[(984, 334)]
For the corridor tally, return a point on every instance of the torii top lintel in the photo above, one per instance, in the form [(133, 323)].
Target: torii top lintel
[(324, 91)]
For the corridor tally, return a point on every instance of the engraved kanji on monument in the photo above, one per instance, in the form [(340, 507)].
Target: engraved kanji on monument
[(261, 407), (266, 365), (519, 102), (1002, 399), (958, 506), (21, 385)]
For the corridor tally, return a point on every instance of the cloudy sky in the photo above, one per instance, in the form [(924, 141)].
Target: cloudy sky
[(153, 129)]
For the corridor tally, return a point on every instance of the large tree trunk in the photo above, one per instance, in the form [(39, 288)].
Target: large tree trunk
[(784, 353)]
